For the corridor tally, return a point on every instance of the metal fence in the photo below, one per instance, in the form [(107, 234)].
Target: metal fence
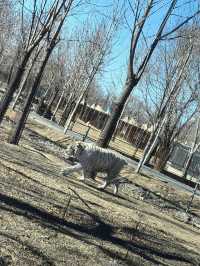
[(179, 158)]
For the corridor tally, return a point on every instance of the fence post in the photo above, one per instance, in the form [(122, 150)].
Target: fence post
[(86, 134), (192, 196), (71, 125)]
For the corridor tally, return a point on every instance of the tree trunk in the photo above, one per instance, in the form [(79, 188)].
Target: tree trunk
[(48, 109), (13, 87), (193, 194), (23, 83), (22, 119), (66, 110), (145, 153), (81, 115), (194, 148), (137, 141), (161, 157), (27, 107), (16, 58), (187, 165), (58, 105), (153, 140), (73, 113), (41, 101), (10, 73), (112, 122)]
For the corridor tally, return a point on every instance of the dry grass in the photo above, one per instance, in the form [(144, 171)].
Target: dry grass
[(43, 222)]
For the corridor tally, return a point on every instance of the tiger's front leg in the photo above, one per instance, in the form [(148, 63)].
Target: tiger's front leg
[(71, 169), (82, 177), (106, 182)]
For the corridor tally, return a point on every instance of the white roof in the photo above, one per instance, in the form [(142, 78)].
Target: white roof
[(97, 107), (146, 127), (125, 119), (129, 120)]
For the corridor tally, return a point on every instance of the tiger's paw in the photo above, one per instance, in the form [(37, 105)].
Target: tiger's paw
[(115, 190), (64, 172), (101, 186), (82, 178)]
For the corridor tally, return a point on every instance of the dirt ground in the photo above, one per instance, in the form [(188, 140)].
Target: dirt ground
[(49, 219)]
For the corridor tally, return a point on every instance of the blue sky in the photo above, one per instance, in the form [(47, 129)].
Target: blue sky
[(116, 69)]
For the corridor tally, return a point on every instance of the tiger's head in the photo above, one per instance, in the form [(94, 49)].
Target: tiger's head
[(74, 150)]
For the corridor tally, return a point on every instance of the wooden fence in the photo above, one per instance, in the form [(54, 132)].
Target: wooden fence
[(130, 133)]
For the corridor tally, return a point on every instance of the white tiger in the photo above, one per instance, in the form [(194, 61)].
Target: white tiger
[(93, 159)]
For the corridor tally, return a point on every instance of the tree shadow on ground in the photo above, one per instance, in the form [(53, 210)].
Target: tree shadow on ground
[(120, 200), (36, 196), (29, 248), (35, 181), (90, 187), (97, 229), (53, 171), (168, 203), (34, 165)]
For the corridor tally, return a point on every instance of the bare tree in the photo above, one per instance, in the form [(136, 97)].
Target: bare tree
[(62, 88), (26, 75), (60, 14), (49, 81), (93, 54), (58, 104), (189, 204), (69, 103), (40, 26), (6, 26), (137, 66), (176, 120), (194, 148), (165, 108), (53, 82), (183, 104)]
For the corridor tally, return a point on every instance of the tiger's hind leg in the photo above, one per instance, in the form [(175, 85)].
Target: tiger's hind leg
[(105, 184), (115, 188), (108, 181), (88, 174), (91, 174)]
